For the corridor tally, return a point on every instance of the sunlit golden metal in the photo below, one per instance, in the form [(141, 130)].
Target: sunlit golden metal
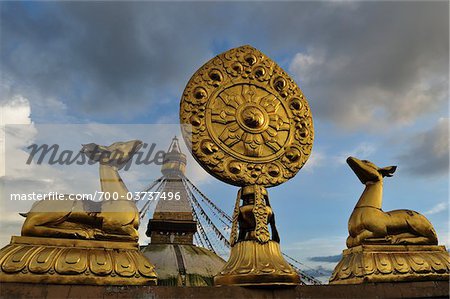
[(369, 224), (399, 245), (49, 218), (250, 122), (75, 241), (251, 127), (252, 263), (255, 257), (72, 261), (391, 263)]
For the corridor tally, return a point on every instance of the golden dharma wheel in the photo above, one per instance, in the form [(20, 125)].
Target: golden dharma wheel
[(250, 122)]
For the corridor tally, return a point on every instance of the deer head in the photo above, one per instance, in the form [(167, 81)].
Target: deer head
[(367, 172), (117, 154)]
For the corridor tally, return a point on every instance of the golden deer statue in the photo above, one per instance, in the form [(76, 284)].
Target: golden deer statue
[(369, 224), (113, 219)]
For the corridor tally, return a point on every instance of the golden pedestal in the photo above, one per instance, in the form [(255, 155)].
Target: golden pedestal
[(71, 261), (252, 263), (392, 263), (249, 125)]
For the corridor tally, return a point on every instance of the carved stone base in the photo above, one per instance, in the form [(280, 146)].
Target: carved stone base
[(64, 261), (255, 264), (392, 263)]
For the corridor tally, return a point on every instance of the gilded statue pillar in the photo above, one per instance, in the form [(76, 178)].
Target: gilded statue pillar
[(251, 127)]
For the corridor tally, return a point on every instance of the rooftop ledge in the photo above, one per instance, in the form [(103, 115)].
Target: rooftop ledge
[(423, 289)]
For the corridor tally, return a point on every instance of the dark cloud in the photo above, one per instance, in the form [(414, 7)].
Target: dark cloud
[(326, 259), (386, 61), (382, 63), (98, 56), (429, 151)]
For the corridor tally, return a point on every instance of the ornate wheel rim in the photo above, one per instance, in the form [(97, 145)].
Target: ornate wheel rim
[(250, 122)]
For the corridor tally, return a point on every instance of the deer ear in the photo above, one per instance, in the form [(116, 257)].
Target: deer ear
[(387, 171)]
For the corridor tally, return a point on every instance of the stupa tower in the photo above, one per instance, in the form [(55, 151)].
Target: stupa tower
[(178, 261), (172, 220)]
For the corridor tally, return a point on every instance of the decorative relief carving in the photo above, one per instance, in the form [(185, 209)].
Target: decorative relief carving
[(61, 261), (382, 263), (261, 213), (251, 127), (250, 263), (250, 122)]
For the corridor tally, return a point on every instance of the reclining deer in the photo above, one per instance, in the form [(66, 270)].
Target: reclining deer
[(369, 224), (84, 219)]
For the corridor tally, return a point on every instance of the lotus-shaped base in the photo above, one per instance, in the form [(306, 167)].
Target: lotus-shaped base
[(71, 261), (254, 264), (392, 263)]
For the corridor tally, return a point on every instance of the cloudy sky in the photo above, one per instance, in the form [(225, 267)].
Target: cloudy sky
[(375, 74)]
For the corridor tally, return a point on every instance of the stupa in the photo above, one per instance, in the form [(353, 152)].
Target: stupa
[(178, 261)]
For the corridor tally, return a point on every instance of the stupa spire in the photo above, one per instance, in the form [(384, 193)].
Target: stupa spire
[(172, 220), (174, 164)]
